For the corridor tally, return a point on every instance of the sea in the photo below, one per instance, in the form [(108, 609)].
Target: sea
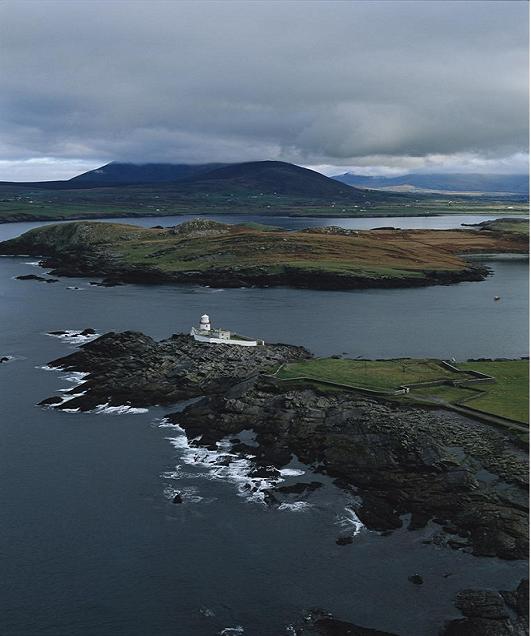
[(92, 544)]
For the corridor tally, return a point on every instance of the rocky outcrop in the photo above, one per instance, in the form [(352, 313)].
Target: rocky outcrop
[(404, 464), (398, 460), (321, 623), (130, 368), (489, 613), (41, 279)]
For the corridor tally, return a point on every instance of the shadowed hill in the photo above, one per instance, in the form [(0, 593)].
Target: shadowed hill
[(116, 173), (272, 177)]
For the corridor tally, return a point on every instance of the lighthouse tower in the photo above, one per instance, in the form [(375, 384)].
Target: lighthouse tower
[(204, 323)]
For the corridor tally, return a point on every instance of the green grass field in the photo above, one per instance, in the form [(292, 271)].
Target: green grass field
[(372, 374), (507, 397)]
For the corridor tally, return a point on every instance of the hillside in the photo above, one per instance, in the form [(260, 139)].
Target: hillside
[(271, 177), (449, 183), (217, 254), (116, 173)]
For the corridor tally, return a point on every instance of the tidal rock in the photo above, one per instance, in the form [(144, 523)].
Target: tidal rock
[(321, 623), (344, 540), (38, 278), (416, 579), (51, 401), (488, 613)]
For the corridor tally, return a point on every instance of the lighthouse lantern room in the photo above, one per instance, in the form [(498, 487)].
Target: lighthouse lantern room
[(204, 323)]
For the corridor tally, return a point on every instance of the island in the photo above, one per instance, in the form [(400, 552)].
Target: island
[(242, 255)]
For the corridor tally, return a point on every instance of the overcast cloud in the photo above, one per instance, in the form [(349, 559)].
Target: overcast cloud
[(378, 86)]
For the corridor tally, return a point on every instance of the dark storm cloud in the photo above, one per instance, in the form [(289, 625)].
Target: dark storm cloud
[(310, 82)]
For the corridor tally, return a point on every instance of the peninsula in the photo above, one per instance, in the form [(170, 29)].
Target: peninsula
[(467, 477), (243, 255)]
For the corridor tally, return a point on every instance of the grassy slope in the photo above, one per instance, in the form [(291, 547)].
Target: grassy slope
[(373, 374), (508, 397), (161, 200), (371, 254)]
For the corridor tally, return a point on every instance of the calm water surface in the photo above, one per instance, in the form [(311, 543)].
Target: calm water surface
[(93, 544)]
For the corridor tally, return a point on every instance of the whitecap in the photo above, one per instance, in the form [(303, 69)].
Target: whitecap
[(231, 631), (351, 520), (220, 464), (122, 409), (74, 336), (291, 472), (296, 506)]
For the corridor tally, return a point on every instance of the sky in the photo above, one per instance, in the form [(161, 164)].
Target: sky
[(378, 87)]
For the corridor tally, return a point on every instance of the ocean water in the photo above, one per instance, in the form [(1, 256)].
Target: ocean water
[(92, 543)]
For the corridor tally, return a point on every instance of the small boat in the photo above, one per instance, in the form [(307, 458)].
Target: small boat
[(496, 298)]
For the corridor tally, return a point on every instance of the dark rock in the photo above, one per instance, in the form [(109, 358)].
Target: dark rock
[(320, 623), (416, 579), (51, 400), (88, 332), (4, 359), (177, 499), (131, 368), (394, 456), (344, 540), (487, 613), (38, 278)]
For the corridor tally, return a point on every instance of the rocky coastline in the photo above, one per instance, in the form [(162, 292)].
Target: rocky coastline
[(405, 465), (78, 265), (203, 252)]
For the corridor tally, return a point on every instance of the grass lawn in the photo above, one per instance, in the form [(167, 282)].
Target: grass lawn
[(509, 397), (372, 374)]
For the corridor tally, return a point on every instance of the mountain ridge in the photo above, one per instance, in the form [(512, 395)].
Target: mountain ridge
[(442, 182)]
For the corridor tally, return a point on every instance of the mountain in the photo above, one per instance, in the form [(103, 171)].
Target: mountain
[(250, 178), (449, 183), (269, 177), (116, 173)]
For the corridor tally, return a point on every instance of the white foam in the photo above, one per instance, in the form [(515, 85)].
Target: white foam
[(34, 263), (231, 631), (73, 336), (122, 409), (45, 367), (189, 494), (291, 472), (219, 465), (296, 506), (350, 520), (76, 377)]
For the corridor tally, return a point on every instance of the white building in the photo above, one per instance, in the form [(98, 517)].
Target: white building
[(205, 333)]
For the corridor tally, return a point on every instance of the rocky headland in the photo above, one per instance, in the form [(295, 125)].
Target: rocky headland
[(405, 465), (210, 253)]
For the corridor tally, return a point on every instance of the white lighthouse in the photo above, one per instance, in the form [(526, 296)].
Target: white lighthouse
[(204, 323), (205, 333)]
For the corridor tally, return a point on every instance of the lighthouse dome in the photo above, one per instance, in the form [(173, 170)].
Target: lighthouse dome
[(205, 318)]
